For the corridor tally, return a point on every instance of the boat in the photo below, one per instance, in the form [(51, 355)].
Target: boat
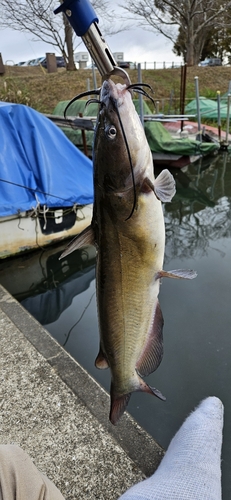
[(167, 151), (46, 183)]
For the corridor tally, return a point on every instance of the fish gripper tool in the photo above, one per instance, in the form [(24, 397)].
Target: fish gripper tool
[(84, 22)]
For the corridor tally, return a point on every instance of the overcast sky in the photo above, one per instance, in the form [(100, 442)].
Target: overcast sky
[(138, 45)]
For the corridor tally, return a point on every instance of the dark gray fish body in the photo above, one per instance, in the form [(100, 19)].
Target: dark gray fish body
[(130, 239)]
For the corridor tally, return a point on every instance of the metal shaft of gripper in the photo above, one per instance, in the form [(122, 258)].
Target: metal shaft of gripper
[(84, 22)]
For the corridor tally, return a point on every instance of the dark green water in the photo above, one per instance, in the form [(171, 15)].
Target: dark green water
[(197, 314)]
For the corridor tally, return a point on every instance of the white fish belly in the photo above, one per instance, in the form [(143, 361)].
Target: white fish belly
[(131, 254)]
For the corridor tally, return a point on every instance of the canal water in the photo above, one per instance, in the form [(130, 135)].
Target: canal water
[(197, 314)]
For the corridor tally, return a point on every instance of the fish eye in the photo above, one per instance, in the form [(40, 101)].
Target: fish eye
[(111, 131)]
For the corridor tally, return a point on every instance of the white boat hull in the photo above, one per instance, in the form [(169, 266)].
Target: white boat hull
[(24, 233)]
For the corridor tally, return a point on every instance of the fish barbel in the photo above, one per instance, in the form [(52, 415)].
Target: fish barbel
[(128, 231)]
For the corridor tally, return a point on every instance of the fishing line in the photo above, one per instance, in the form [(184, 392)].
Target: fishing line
[(33, 190), (71, 329)]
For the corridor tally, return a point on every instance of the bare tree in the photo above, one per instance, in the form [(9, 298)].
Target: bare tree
[(193, 18), (37, 18)]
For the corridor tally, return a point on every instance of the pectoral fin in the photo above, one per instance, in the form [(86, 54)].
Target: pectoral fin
[(153, 352), (164, 186), (187, 274), (86, 237), (147, 186)]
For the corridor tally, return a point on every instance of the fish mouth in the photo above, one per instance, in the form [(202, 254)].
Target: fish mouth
[(112, 92)]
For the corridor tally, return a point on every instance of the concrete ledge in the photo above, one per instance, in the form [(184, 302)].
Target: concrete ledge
[(138, 445)]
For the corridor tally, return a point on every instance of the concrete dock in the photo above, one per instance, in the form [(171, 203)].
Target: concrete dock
[(54, 410)]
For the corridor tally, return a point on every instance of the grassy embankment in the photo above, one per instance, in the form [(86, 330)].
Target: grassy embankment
[(42, 91)]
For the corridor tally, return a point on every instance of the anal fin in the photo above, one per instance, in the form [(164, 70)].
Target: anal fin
[(152, 354)]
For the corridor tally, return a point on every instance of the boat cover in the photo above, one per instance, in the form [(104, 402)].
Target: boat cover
[(38, 164), (159, 139), (208, 108)]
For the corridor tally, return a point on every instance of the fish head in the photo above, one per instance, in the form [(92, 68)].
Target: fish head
[(121, 150)]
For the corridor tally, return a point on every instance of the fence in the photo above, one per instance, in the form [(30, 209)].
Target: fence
[(160, 65)]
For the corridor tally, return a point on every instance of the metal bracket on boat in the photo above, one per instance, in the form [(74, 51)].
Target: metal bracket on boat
[(84, 22)]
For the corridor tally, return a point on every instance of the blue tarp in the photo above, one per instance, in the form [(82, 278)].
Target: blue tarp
[(36, 154)]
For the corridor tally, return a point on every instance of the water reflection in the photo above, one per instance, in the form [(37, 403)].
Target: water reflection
[(61, 289), (200, 212), (196, 363)]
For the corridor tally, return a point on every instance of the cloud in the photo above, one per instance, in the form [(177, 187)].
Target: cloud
[(137, 44), (17, 46)]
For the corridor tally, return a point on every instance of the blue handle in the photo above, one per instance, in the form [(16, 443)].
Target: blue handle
[(80, 14)]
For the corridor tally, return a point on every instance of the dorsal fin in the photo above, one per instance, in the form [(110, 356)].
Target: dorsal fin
[(153, 351), (86, 237)]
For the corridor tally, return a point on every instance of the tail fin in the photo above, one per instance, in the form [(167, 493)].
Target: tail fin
[(119, 403), (118, 406), (144, 387)]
